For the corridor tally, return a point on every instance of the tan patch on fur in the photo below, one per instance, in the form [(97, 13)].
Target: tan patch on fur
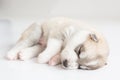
[(95, 51)]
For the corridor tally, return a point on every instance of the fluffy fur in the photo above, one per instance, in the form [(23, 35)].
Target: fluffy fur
[(62, 40)]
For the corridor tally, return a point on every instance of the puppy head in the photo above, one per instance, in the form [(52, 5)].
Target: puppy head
[(92, 54)]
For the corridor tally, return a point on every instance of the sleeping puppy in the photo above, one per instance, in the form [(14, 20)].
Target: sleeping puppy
[(64, 40)]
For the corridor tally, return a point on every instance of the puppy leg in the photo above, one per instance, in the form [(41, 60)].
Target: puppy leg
[(30, 37), (30, 52), (55, 60), (53, 47)]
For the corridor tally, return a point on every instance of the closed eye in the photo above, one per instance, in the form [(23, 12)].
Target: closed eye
[(79, 49)]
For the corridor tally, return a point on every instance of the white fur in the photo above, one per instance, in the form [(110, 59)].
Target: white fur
[(27, 39), (84, 67), (13, 53), (78, 38), (30, 52), (92, 63), (53, 47)]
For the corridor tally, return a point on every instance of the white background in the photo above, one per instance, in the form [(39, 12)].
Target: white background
[(17, 15), (37, 9)]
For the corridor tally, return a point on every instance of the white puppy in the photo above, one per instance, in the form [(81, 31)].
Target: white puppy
[(75, 44)]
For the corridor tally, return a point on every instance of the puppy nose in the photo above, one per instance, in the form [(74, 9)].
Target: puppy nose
[(65, 63), (79, 67)]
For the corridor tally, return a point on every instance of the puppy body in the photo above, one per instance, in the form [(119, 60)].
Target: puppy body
[(62, 35)]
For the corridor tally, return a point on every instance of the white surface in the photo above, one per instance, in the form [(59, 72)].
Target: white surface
[(30, 70)]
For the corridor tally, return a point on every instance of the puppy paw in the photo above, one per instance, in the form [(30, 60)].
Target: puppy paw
[(22, 57), (11, 55), (24, 54), (54, 60), (52, 63)]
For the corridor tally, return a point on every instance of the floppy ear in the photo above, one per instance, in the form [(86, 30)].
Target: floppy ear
[(94, 38)]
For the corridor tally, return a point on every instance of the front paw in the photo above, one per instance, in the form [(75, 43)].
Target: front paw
[(22, 56), (54, 60), (25, 54), (12, 55)]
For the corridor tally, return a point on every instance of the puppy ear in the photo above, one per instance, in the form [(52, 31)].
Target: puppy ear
[(94, 38)]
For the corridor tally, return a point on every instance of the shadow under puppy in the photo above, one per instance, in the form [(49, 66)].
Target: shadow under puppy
[(74, 44)]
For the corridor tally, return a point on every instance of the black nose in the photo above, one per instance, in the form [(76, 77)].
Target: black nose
[(65, 63), (79, 67)]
